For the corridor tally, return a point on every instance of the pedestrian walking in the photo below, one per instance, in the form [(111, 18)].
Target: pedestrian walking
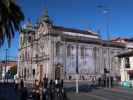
[(16, 84), (50, 90), (45, 89), (36, 91), (99, 81), (112, 81), (23, 91), (21, 84)]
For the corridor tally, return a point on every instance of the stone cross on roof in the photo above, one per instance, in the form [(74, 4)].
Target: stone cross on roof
[(45, 17)]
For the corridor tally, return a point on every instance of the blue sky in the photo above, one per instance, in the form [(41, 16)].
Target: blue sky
[(83, 14)]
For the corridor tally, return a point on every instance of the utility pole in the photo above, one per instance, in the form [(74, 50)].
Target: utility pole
[(6, 50)]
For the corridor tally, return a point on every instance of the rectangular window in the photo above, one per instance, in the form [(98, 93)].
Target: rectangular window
[(82, 52), (127, 64), (57, 50), (68, 51), (130, 76)]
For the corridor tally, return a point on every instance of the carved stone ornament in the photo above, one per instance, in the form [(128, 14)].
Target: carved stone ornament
[(42, 28)]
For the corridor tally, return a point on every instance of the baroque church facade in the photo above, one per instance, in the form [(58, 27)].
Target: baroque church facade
[(59, 52)]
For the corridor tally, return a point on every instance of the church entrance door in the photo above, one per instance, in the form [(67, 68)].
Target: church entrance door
[(57, 72)]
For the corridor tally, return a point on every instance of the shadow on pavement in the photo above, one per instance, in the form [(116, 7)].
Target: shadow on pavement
[(82, 88)]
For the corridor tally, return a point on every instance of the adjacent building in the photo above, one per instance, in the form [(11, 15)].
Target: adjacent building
[(5, 66), (126, 67), (60, 52), (128, 42)]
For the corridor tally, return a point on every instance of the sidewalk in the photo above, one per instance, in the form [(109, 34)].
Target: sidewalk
[(75, 96), (121, 90), (116, 93), (83, 96)]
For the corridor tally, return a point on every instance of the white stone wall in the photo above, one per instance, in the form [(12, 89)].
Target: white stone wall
[(131, 62), (124, 70), (94, 61), (96, 57)]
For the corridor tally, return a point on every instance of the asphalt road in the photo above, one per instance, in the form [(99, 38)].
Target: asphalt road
[(7, 92), (101, 94), (86, 92)]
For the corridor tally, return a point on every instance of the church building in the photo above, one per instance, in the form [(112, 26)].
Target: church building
[(61, 52)]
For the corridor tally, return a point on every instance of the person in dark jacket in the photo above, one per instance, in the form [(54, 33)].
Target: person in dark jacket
[(23, 91), (45, 88), (24, 94), (21, 83), (112, 81), (99, 81)]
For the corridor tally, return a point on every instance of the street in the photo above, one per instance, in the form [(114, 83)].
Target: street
[(103, 94), (86, 92), (7, 92)]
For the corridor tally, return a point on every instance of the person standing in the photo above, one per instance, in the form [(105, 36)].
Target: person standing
[(16, 84), (45, 89)]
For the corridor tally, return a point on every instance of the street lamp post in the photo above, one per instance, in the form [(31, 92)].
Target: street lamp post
[(106, 12), (5, 74), (77, 70)]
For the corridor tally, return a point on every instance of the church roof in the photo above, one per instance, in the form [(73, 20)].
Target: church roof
[(92, 41), (80, 39), (64, 29)]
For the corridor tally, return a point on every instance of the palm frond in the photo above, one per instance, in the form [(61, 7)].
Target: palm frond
[(10, 20)]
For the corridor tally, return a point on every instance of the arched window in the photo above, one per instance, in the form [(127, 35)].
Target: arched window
[(21, 40), (26, 55), (36, 57), (58, 49), (29, 38), (33, 72)]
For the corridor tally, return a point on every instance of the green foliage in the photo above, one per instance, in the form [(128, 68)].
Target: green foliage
[(23, 30), (13, 70), (10, 20)]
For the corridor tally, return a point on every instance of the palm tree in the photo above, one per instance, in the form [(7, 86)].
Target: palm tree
[(10, 20)]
